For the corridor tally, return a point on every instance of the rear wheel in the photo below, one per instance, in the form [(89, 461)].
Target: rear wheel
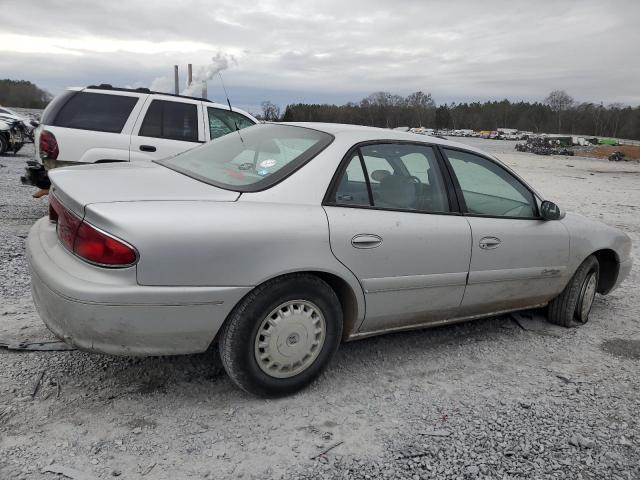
[(282, 335), (572, 307)]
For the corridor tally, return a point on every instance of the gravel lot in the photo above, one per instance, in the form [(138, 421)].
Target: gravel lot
[(486, 399)]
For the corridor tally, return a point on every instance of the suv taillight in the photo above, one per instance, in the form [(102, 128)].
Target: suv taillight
[(88, 242), (48, 146)]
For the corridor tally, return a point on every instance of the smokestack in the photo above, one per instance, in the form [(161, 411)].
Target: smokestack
[(176, 80), (189, 75), (204, 89)]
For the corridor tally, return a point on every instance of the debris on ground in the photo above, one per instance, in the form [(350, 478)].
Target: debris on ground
[(68, 472), (36, 386), (41, 346), (327, 450)]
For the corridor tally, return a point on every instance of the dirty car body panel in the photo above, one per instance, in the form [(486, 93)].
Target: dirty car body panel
[(202, 245)]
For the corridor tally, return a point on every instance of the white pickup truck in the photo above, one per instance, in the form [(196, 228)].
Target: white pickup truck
[(99, 124)]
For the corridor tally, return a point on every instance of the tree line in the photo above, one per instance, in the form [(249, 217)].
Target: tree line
[(558, 113), (21, 93)]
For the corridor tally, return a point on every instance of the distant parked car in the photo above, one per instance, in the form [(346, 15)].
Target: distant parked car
[(281, 240), (15, 131), (103, 124)]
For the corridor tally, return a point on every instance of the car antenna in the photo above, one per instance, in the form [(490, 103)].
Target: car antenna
[(229, 103)]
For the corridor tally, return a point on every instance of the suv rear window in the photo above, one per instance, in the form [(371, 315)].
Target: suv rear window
[(251, 159), (172, 120), (95, 111)]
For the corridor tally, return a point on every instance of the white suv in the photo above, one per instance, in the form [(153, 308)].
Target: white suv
[(102, 123)]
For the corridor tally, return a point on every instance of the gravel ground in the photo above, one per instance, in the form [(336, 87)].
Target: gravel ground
[(487, 399)]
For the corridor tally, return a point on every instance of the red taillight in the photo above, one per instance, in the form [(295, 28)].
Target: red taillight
[(98, 247), (68, 222), (86, 241), (48, 145)]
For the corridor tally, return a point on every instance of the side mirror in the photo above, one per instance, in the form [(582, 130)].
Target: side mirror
[(551, 211)]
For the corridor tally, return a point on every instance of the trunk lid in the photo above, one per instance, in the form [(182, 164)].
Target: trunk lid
[(79, 186)]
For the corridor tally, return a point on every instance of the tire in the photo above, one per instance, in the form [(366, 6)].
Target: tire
[(4, 144), (291, 308), (571, 308)]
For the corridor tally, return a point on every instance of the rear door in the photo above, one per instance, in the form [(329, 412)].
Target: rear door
[(166, 128), (94, 126), (392, 224), (517, 259)]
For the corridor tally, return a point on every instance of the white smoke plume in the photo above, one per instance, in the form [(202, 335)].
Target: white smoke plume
[(219, 62)]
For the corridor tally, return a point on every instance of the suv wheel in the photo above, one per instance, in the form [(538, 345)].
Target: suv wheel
[(282, 335), (4, 144)]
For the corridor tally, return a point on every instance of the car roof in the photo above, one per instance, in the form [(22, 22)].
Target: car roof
[(361, 133)]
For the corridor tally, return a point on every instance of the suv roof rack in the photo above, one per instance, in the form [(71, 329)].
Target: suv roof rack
[(106, 86)]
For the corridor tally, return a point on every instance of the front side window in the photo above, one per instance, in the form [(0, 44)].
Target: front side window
[(251, 159), (222, 122), (171, 120), (92, 111), (398, 177), (489, 189)]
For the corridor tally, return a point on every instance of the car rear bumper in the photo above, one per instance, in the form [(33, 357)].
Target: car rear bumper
[(105, 310)]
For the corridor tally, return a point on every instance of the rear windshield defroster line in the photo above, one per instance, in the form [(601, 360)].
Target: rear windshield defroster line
[(252, 159)]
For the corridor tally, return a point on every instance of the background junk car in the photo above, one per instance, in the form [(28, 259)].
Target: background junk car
[(281, 240)]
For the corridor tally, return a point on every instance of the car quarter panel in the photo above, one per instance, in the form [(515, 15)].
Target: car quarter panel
[(106, 310), (222, 243)]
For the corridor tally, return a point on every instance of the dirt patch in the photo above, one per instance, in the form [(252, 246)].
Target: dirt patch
[(621, 347), (631, 152)]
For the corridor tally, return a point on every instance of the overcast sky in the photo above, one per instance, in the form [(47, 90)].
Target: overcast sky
[(333, 50)]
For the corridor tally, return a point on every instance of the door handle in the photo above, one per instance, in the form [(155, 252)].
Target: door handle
[(147, 148), (489, 243), (366, 240)]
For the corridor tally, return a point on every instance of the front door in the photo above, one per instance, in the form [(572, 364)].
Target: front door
[(392, 225), (517, 259)]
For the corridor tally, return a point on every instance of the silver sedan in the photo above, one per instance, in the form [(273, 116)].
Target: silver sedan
[(280, 241)]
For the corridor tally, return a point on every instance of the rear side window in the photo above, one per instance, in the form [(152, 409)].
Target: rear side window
[(171, 120), (222, 122), (94, 111), (394, 176)]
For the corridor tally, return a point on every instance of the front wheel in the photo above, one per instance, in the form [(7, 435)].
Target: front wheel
[(281, 336), (572, 307)]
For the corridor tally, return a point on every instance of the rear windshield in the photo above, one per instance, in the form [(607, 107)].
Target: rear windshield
[(95, 111), (54, 107), (252, 159)]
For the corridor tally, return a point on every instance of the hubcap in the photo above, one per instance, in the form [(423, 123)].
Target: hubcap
[(588, 294), (290, 338)]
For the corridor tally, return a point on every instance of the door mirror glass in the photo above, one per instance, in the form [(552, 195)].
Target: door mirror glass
[(550, 211)]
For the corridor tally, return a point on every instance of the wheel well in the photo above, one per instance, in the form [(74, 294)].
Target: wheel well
[(347, 299), (344, 292), (609, 267)]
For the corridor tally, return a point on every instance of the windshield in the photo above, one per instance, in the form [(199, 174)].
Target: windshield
[(253, 159)]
